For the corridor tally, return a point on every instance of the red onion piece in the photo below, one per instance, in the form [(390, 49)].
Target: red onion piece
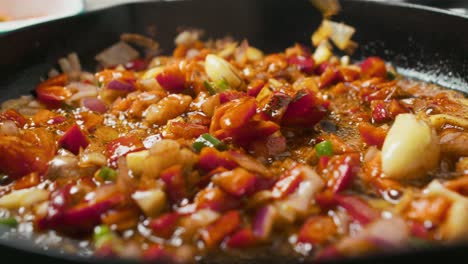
[(357, 208), (210, 159), (305, 110), (172, 79), (73, 140), (95, 104), (263, 221), (121, 86)]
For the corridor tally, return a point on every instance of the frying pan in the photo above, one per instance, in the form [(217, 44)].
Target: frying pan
[(425, 43)]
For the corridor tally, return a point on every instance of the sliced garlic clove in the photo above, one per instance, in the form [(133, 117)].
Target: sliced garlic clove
[(410, 149), (219, 70)]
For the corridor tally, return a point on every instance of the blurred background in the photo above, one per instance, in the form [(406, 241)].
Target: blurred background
[(19, 13)]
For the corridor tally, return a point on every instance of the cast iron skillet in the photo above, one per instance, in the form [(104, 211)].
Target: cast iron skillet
[(426, 43)]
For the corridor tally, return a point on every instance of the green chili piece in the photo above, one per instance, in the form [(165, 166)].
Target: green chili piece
[(107, 174), (207, 140), (324, 148), (10, 221)]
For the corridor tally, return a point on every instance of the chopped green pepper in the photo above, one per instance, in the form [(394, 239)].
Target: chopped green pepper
[(102, 234), (107, 174), (10, 221), (207, 140), (324, 148)]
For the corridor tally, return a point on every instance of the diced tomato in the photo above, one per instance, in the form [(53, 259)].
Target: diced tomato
[(237, 182), (305, 110), (374, 67), (225, 225), (317, 230), (174, 180), (122, 146), (165, 225), (172, 79), (216, 199), (342, 170), (373, 136), (243, 238), (74, 140)]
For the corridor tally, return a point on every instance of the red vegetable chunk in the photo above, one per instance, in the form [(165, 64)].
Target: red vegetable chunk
[(243, 238), (174, 180), (165, 225), (317, 230), (305, 110), (172, 79), (122, 146), (374, 67), (225, 225), (74, 140), (237, 182)]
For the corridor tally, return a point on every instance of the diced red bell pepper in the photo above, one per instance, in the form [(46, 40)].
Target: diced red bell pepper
[(165, 225), (305, 64), (330, 76), (379, 111), (241, 111), (172, 79), (374, 67), (217, 231), (288, 183), (255, 87), (243, 238), (211, 158), (342, 170), (373, 136), (52, 96), (59, 80), (174, 180), (305, 110), (317, 230), (186, 130), (14, 116), (349, 74), (216, 199), (73, 140), (237, 182), (122, 146), (275, 105), (228, 96)]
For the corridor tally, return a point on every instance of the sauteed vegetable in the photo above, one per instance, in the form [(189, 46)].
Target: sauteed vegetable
[(222, 148)]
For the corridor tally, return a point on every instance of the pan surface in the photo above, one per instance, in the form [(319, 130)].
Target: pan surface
[(424, 43)]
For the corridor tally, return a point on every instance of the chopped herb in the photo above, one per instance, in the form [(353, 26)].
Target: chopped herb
[(209, 87), (11, 222), (207, 140), (107, 174), (102, 234), (324, 148)]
